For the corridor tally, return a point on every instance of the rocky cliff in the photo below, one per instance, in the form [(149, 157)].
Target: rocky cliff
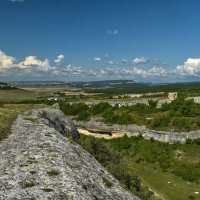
[(38, 162), (115, 130)]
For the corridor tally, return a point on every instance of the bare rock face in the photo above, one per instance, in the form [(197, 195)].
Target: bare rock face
[(38, 162)]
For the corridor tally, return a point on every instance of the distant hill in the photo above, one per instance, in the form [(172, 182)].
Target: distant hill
[(102, 84), (6, 86), (38, 83), (80, 84), (109, 86)]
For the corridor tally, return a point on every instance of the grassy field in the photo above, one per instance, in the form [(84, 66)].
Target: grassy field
[(27, 94), (166, 185), (46, 90), (16, 95), (35, 93), (155, 163), (8, 114)]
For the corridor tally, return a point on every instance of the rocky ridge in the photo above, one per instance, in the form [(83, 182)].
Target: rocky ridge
[(38, 162)]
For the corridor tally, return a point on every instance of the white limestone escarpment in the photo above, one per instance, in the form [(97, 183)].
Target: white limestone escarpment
[(38, 162), (116, 130)]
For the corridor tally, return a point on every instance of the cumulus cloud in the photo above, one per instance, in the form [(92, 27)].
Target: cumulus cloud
[(112, 32), (152, 72), (5, 60), (72, 69), (97, 59), (141, 67), (141, 60), (34, 62), (191, 67), (6, 63), (34, 66), (59, 59)]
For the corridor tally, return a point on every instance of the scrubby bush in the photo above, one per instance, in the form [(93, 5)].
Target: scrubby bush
[(153, 103), (190, 172), (115, 163)]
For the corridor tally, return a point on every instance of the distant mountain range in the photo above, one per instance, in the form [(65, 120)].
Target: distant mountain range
[(90, 84), (106, 86), (102, 83)]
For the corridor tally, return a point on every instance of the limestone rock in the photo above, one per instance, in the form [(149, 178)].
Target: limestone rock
[(37, 162)]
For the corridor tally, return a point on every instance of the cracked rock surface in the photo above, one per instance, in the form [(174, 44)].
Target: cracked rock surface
[(38, 162)]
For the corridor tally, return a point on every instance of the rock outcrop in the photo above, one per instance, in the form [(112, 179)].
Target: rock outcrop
[(38, 162), (95, 125)]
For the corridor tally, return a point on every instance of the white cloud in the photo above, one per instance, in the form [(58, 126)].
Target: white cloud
[(59, 59), (154, 71), (72, 69), (56, 72), (34, 63), (112, 32), (41, 67), (191, 67), (5, 60), (32, 66), (125, 61), (97, 59), (141, 60), (157, 71), (110, 62)]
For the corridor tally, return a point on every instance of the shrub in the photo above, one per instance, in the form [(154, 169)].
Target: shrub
[(153, 103), (190, 172)]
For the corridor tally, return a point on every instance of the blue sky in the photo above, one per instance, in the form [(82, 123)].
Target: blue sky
[(143, 40)]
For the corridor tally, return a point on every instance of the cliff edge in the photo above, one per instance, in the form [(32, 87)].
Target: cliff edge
[(38, 162)]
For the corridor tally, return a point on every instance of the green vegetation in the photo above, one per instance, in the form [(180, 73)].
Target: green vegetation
[(17, 95), (31, 119), (114, 162), (180, 115), (172, 171), (47, 189), (53, 172), (8, 113), (27, 184), (185, 88), (106, 182)]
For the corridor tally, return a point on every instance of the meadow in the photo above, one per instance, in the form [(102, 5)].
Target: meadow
[(171, 171)]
